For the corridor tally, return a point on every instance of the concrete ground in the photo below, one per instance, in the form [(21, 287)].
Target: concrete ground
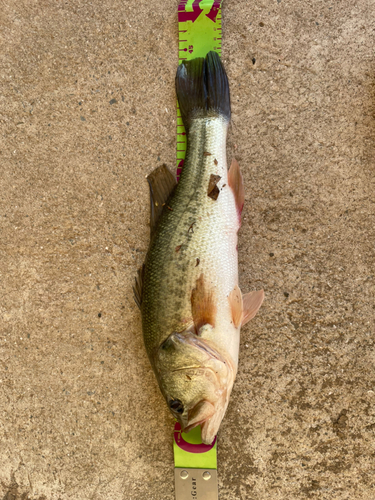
[(87, 110)]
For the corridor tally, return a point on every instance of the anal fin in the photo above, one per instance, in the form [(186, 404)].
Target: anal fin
[(161, 182)]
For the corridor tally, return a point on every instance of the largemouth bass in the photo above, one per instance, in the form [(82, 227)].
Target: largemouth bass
[(192, 308)]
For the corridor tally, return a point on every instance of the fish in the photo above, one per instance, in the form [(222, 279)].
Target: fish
[(187, 290)]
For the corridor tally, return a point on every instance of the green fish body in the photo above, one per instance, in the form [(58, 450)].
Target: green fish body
[(192, 308)]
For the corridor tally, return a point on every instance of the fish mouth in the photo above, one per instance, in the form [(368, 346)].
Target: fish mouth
[(208, 416), (197, 415), (210, 427), (207, 406)]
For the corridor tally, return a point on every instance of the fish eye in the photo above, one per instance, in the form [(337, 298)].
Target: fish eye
[(176, 406)]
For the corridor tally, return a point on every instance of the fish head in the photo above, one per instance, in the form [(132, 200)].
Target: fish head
[(196, 381)]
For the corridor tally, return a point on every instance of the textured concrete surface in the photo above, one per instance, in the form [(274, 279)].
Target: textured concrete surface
[(87, 110)]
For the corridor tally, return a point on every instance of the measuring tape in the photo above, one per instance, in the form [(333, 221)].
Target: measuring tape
[(195, 473), (199, 25)]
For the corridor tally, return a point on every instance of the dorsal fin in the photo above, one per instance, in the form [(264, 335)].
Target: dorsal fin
[(203, 306), (161, 182), (235, 181), (137, 289)]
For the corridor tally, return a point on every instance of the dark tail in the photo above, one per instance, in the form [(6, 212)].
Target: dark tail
[(202, 88)]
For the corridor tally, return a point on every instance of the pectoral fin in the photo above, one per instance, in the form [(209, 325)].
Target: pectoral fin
[(161, 182), (203, 306), (251, 304)]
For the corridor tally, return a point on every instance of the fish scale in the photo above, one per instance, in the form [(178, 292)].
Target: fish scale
[(213, 240)]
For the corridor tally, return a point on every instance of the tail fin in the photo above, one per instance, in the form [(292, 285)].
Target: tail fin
[(202, 88)]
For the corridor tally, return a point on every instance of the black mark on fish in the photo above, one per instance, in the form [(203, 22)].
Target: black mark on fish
[(197, 264), (215, 161), (213, 190), (191, 228), (206, 153)]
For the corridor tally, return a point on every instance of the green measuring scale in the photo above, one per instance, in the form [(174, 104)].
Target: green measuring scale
[(199, 25)]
